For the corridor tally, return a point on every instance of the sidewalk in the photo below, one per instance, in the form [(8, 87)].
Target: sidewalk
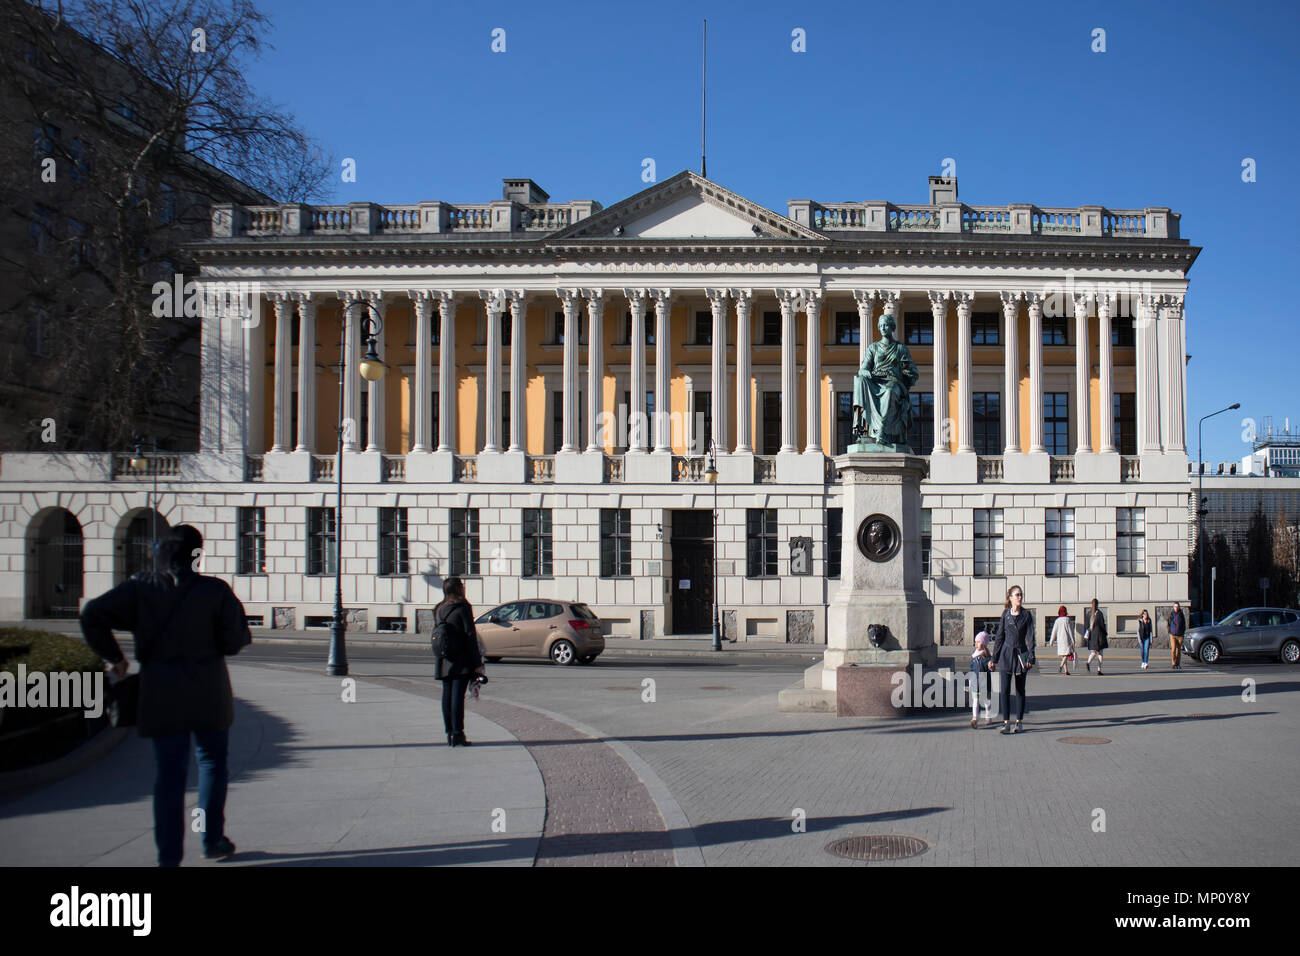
[(313, 781)]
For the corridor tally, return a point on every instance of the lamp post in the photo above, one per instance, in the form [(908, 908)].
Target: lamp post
[(711, 476), (372, 370), (1201, 510), (139, 463)]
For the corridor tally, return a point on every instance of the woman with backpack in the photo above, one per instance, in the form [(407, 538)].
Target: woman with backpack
[(460, 661)]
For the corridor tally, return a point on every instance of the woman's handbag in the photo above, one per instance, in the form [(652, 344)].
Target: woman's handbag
[(123, 700), (1022, 663)]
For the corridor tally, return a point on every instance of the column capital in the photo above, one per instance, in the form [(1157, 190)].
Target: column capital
[(1082, 303), (1010, 299), (636, 298), (517, 299), (1034, 300), (864, 297), (596, 300), (964, 301), (663, 298), (1104, 302), (717, 297), (494, 300), (744, 297), (812, 302), (1173, 303), (938, 298), (793, 299), (303, 298)]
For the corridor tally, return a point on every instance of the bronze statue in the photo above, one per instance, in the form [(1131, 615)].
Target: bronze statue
[(882, 404)]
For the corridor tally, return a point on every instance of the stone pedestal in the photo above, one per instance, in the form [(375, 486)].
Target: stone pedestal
[(880, 618)]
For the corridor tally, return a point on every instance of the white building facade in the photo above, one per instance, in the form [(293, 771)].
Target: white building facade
[(534, 463)]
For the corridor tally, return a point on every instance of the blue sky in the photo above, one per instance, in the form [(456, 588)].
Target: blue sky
[(1013, 92)]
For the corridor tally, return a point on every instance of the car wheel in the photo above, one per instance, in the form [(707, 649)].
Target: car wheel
[(562, 652), (1209, 652), (587, 659), (492, 660), (1290, 651)]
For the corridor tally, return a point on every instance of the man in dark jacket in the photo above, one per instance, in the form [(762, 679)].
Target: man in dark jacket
[(184, 625), (1177, 627)]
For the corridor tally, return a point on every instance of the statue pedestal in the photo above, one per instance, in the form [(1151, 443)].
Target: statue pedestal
[(880, 622)]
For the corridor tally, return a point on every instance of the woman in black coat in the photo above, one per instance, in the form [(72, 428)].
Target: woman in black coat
[(459, 667), (1094, 632), (1015, 638)]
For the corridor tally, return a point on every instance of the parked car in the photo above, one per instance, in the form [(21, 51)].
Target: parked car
[(1250, 631), (561, 631)]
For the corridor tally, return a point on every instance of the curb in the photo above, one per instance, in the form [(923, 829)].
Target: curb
[(13, 782)]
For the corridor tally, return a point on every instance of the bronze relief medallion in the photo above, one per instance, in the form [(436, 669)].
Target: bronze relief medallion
[(879, 538)]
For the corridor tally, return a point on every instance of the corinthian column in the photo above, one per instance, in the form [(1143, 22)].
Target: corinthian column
[(354, 303), (283, 302), (1035, 303), (966, 421), (446, 371), (518, 385), (813, 300), (790, 301), (495, 302), (1148, 377), (663, 357), (1106, 407), (1174, 398), (306, 373), (1081, 356), (595, 365), (743, 299), (864, 298), (1011, 365), (637, 425), (378, 390), (718, 371), (572, 307), (939, 312), (422, 303)]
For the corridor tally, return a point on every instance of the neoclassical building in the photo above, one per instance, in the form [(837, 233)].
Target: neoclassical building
[(557, 375)]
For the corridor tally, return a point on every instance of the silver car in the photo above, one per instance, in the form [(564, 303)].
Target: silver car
[(1250, 631)]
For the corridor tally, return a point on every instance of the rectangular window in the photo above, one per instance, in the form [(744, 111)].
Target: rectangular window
[(921, 437), (761, 531), (848, 330), (322, 545), (771, 328), (701, 422), (984, 329), (1056, 330), (1060, 541), (1126, 439), (506, 327), (925, 542), (537, 542), (393, 548), (843, 421), (252, 541), (1130, 541), (988, 542), (505, 419), (464, 541), (986, 434), (919, 327), (649, 328), (771, 423), (557, 422), (703, 328), (363, 436), (1056, 422), (615, 542), (834, 540), (435, 422), (1122, 334), (435, 331), (582, 328)]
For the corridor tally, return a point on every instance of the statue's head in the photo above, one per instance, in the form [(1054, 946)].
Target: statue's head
[(886, 326)]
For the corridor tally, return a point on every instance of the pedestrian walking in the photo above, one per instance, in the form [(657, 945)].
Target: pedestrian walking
[(1177, 628), (1063, 636), (185, 624), (1144, 635), (1013, 654), (461, 660), (979, 667), (1094, 632)]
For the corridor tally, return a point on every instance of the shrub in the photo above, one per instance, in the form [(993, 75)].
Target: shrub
[(45, 651)]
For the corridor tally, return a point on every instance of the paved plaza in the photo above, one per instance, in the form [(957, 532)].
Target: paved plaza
[(666, 758)]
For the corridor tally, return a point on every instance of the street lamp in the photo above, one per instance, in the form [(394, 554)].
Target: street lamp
[(138, 464), (372, 369), (1201, 510), (711, 476)]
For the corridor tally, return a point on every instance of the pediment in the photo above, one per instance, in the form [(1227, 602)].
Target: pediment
[(686, 207)]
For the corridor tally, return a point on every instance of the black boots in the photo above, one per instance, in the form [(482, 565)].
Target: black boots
[(458, 740)]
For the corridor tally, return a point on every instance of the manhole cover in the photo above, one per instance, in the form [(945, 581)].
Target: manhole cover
[(1084, 740), (877, 848), (716, 687), (629, 687)]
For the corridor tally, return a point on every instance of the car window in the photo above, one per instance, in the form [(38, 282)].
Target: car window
[(539, 610), (583, 612), (1232, 619), (1274, 618), (1292, 617), (1255, 619)]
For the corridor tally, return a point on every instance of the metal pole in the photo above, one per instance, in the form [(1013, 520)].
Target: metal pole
[(1214, 579), (717, 631), (338, 659)]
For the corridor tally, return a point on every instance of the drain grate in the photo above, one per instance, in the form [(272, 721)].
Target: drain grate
[(878, 847), (1084, 740), (716, 687)]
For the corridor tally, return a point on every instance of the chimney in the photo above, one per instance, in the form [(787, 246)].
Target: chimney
[(523, 191), (943, 189)]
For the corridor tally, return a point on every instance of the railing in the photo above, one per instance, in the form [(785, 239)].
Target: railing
[(839, 216), (466, 468), (322, 467), (913, 218), (330, 219), (614, 468), (398, 219), (253, 467), (263, 220), (545, 218), (986, 219), (394, 468), (990, 467), (470, 218), (1130, 468), (764, 469), (1005, 220), (1047, 221), (832, 473), (159, 465), (1062, 468), (539, 468), (689, 468)]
